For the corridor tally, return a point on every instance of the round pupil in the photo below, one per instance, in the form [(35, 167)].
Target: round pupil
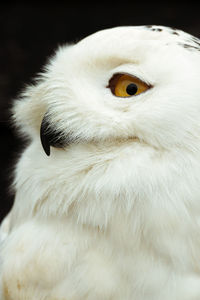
[(131, 89)]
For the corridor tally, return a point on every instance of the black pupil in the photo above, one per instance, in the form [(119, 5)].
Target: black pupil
[(131, 89)]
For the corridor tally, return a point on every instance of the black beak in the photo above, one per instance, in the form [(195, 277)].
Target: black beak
[(44, 136), (50, 137)]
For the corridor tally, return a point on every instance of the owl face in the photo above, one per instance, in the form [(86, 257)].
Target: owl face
[(126, 83)]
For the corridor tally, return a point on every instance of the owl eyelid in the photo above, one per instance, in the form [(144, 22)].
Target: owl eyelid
[(114, 79)]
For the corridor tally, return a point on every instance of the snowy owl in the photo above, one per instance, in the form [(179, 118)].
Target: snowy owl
[(107, 193)]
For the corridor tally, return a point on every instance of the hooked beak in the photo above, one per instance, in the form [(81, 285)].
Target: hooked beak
[(50, 136)]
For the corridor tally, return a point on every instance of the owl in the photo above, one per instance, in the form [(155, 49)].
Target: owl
[(107, 191)]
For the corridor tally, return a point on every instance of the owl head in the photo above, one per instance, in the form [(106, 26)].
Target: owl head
[(122, 83), (113, 116)]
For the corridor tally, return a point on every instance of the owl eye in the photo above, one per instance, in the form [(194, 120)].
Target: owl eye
[(124, 85)]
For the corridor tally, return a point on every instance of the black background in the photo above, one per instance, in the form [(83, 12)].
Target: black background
[(30, 33)]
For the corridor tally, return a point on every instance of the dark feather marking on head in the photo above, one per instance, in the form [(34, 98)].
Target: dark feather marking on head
[(190, 47), (154, 28), (157, 29), (196, 41)]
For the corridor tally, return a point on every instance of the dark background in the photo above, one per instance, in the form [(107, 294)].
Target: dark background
[(30, 33)]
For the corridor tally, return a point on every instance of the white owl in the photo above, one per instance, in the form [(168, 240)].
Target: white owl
[(110, 210)]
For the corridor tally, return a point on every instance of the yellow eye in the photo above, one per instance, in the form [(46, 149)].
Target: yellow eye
[(124, 85)]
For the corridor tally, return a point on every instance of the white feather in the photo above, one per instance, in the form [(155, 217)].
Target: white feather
[(117, 214)]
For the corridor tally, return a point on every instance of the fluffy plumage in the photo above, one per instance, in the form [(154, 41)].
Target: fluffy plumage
[(113, 213)]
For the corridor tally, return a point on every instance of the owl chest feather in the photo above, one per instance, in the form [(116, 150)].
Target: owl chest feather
[(67, 262), (109, 227)]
